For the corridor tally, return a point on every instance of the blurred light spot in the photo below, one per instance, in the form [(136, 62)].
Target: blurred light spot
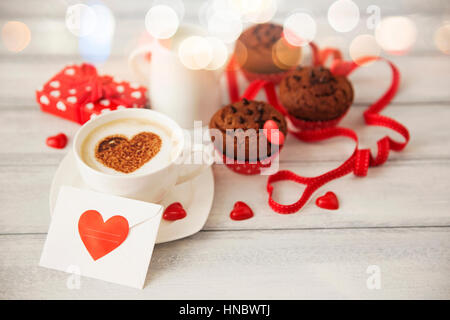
[(362, 46), (225, 25), (16, 36), (161, 21), (195, 52), (343, 15), (299, 29), (257, 11), (81, 20), (396, 35), (219, 53), (176, 5), (442, 38), (240, 53), (284, 55), (96, 47)]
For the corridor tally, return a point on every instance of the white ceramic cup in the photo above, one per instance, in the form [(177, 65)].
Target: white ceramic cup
[(152, 186), (183, 94)]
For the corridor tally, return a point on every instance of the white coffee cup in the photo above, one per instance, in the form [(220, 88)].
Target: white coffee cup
[(183, 94), (147, 186)]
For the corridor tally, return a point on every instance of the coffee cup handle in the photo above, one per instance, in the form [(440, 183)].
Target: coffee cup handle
[(200, 168), (133, 61)]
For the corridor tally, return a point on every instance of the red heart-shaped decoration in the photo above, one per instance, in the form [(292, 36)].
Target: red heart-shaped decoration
[(328, 201), (241, 211), (100, 238), (59, 141), (173, 212), (269, 126)]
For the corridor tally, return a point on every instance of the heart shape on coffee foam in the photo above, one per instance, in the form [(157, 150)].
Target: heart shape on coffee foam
[(241, 211), (100, 238), (328, 201), (121, 154), (173, 212)]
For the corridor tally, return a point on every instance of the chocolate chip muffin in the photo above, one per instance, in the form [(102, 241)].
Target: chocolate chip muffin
[(259, 50), (315, 94), (233, 123)]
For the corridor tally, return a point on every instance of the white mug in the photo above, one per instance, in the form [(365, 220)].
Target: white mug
[(152, 186), (183, 94)]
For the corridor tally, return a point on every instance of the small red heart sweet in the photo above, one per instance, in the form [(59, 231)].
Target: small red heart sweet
[(58, 142), (101, 237), (328, 201), (173, 212), (269, 126), (241, 211)]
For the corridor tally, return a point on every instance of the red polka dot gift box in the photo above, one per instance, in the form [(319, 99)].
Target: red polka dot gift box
[(78, 93)]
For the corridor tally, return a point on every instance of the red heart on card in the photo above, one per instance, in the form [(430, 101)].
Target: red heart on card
[(100, 238), (270, 125), (328, 201), (173, 212), (241, 211), (59, 141)]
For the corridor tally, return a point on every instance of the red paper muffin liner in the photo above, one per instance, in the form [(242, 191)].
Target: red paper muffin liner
[(272, 77), (248, 168), (315, 125)]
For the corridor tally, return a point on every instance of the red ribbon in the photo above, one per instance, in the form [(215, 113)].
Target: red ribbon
[(102, 87), (361, 159)]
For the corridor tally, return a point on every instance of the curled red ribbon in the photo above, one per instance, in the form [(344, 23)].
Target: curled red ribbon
[(361, 159)]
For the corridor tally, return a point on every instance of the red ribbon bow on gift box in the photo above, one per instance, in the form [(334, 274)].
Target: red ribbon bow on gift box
[(361, 159), (78, 92)]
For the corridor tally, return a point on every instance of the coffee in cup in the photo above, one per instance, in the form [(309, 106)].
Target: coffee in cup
[(128, 146)]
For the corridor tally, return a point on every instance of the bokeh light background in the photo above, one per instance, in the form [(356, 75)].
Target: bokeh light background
[(98, 31)]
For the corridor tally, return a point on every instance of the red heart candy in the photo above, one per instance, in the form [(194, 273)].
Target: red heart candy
[(100, 238), (59, 141), (241, 211), (269, 126), (328, 201), (173, 212)]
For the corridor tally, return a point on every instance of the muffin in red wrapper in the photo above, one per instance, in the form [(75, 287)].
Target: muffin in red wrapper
[(78, 93), (262, 53), (314, 98), (238, 135)]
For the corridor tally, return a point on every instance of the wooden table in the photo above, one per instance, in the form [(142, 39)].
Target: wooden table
[(396, 219)]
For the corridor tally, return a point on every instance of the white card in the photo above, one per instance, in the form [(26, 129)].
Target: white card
[(65, 248)]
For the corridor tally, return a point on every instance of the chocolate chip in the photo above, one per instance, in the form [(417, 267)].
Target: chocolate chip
[(276, 119), (249, 112), (233, 109), (246, 102), (241, 120), (296, 77), (323, 79)]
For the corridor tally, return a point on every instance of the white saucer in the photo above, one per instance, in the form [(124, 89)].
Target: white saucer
[(197, 207)]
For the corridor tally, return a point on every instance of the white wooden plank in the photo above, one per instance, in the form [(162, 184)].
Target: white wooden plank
[(50, 35), (307, 264), (412, 193), (424, 79), (24, 132), (136, 8)]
